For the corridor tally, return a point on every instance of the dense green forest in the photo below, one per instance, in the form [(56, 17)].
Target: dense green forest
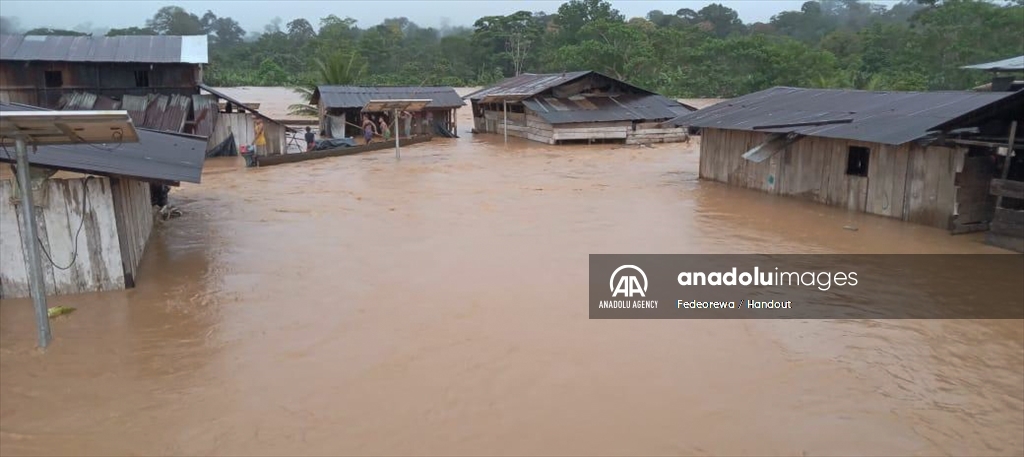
[(913, 45)]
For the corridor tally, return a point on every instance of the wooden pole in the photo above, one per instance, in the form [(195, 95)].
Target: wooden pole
[(1009, 157), (29, 238), (504, 105)]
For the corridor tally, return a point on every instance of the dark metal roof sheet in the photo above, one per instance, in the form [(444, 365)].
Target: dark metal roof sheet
[(348, 97), (526, 85), (878, 117), (1011, 64), (244, 106), (158, 157), (141, 49), (625, 107)]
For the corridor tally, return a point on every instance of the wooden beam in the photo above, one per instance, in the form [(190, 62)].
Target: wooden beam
[(1009, 158), (1007, 188)]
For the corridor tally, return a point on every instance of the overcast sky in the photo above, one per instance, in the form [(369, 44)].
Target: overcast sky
[(253, 15)]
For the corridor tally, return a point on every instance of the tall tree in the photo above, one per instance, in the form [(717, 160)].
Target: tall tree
[(575, 14), (174, 20)]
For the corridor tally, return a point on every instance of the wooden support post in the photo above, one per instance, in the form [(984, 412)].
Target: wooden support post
[(504, 104), (1009, 158)]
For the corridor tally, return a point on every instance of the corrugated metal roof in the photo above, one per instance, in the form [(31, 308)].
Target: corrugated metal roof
[(526, 85), (626, 107), (879, 117), (349, 97), (1011, 64), (206, 110), (141, 49), (239, 104), (135, 105), (156, 157)]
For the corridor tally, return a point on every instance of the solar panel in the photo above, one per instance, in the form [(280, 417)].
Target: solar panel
[(67, 127)]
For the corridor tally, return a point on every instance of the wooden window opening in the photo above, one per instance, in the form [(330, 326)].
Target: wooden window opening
[(54, 78), (857, 161)]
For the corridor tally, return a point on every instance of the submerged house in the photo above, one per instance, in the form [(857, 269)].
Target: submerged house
[(1005, 74), (94, 209), (932, 158), (228, 122), (341, 108), (581, 106)]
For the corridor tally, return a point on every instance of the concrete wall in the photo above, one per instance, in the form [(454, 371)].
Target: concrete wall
[(134, 210), (64, 205), (907, 182)]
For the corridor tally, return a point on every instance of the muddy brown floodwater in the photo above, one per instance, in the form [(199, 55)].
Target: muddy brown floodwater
[(438, 305)]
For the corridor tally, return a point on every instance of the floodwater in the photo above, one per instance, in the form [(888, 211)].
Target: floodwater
[(437, 305)]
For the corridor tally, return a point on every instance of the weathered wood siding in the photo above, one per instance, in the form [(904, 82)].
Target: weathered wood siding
[(243, 126), (522, 125), (592, 131), (97, 265), (25, 82), (134, 211), (647, 133), (907, 182)]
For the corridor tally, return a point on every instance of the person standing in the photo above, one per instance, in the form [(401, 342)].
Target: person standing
[(384, 129), (407, 119), (368, 129), (310, 139), (260, 143)]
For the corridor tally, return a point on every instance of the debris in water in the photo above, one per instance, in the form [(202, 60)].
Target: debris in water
[(850, 228), (59, 311)]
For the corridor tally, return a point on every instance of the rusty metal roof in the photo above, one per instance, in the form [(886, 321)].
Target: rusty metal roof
[(1011, 64), (157, 157), (878, 117), (349, 97), (243, 106), (625, 107), (140, 49), (526, 85)]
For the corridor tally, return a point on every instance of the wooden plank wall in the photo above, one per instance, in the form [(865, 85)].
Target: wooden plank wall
[(520, 125), (908, 182), (592, 131), (134, 212), (97, 265), (243, 126), (654, 133)]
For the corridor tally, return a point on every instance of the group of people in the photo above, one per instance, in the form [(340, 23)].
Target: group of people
[(375, 125), (380, 125)]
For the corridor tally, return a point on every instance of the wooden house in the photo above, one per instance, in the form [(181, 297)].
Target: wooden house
[(581, 106), (235, 121), (94, 209), (40, 70), (341, 108), (931, 158)]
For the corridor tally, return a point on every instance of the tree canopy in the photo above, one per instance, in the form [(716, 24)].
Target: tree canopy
[(711, 52)]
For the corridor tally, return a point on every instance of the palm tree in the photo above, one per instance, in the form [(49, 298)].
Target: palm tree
[(337, 69)]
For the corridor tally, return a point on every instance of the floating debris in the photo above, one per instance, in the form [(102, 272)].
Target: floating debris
[(59, 311), (850, 228)]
